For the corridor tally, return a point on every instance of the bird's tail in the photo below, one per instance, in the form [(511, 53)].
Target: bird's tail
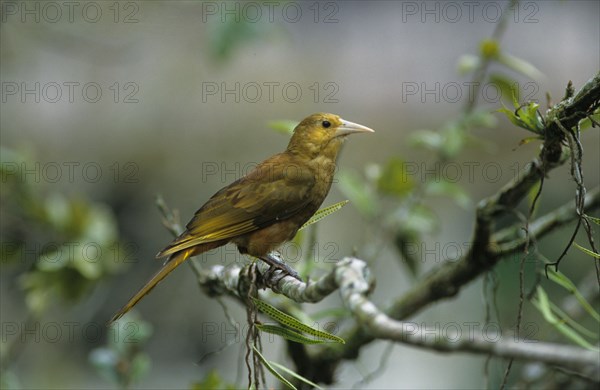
[(166, 269)]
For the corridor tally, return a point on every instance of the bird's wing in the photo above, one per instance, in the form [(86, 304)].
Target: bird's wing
[(274, 191)]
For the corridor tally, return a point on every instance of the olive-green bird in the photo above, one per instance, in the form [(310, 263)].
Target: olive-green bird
[(265, 208)]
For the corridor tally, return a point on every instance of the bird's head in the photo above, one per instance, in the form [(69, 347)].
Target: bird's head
[(323, 133)]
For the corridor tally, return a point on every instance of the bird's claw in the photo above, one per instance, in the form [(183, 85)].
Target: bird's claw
[(275, 279), (278, 265)]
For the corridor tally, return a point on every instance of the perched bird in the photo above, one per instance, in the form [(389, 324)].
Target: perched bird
[(265, 208)]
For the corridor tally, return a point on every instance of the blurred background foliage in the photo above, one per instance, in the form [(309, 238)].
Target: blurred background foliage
[(75, 247), (65, 245)]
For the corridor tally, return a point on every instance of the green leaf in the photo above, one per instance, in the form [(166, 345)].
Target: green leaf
[(521, 66), (100, 226), (324, 212), (361, 196), (58, 210), (226, 36), (293, 323), (526, 117), (288, 334), (587, 251), (508, 88), (419, 220), (560, 279), (212, 381), (574, 324), (481, 118), (283, 126), (129, 332), (43, 287), (394, 179), (427, 139), (455, 137), (586, 123), (38, 286), (140, 365), (531, 117), (88, 269), (53, 260), (511, 116), (542, 303), (452, 190), (593, 219), (272, 369), (297, 376)]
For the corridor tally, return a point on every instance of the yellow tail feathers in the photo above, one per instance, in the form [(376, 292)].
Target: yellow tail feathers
[(166, 269)]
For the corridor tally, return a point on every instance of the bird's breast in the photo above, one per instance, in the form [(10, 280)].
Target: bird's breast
[(323, 168)]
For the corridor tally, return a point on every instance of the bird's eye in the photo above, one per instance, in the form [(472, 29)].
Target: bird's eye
[(326, 124)]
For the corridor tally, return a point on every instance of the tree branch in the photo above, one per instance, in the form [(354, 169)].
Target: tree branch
[(354, 289), (354, 280)]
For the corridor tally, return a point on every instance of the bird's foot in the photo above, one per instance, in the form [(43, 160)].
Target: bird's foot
[(270, 275), (277, 264)]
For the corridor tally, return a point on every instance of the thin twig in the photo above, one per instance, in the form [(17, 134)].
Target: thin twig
[(580, 192)]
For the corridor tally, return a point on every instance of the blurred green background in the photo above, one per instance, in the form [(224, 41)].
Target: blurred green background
[(187, 93)]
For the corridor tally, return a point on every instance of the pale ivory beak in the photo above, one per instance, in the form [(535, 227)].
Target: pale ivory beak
[(348, 127)]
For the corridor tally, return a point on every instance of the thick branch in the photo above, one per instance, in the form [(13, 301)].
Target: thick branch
[(354, 281), (354, 289), (573, 109)]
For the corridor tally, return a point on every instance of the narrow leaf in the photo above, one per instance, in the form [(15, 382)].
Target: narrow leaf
[(272, 369), (297, 376), (560, 279), (293, 323), (574, 324), (511, 116), (542, 303), (288, 334), (593, 219), (509, 88), (587, 251), (427, 139), (324, 212), (283, 126), (521, 66)]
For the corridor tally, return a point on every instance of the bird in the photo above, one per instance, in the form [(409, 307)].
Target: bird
[(266, 207)]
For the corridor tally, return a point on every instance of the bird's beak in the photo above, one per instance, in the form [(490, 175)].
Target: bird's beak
[(348, 127)]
